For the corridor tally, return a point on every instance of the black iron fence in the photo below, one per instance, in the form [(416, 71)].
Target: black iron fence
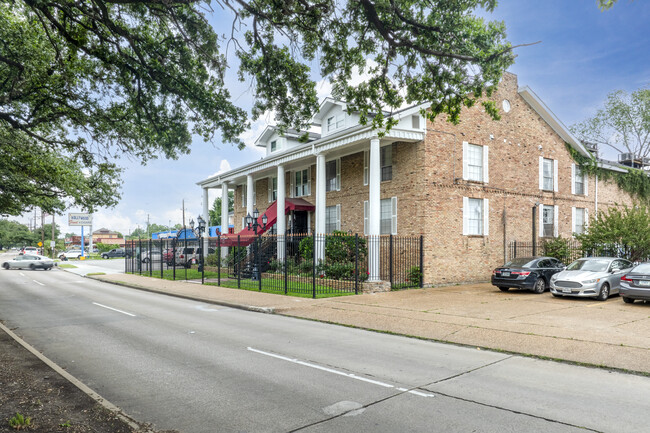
[(302, 265), (565, 250)]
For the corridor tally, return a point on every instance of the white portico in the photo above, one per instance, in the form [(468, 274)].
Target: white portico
[(286, 174)]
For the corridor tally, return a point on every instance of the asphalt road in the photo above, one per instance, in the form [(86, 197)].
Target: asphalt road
[(195, 367)]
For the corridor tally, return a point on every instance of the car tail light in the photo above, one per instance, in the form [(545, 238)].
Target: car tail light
[(494, 272), (625, 278), (522, 273)]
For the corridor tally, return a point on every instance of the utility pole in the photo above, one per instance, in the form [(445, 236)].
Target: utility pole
[(53, 240), (183, 216), (42, 232)]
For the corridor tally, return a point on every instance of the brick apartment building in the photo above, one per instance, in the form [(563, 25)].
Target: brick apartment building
[(469, 189)]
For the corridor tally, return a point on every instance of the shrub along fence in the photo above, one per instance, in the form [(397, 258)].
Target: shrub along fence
[(301, 265), (565, 250)]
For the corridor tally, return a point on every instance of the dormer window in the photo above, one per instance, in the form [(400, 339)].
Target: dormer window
[(274, 145), (335, 122)]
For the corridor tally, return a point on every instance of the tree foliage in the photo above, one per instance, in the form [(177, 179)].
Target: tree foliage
[(86, 82), (619, 231), (15, 234), (215, 212), (623, 124)]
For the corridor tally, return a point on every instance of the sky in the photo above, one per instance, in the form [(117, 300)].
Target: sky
[(583, 55)]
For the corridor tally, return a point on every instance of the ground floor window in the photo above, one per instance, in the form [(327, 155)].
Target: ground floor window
[(548, 221), (475, 216), (579, 220), (388, 215), (333, 218)]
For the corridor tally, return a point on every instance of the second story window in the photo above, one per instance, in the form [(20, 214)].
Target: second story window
[(547, 174), (274, 145), (333, 175), (578, 181), (302, 183), (387, 163), (475, 160)]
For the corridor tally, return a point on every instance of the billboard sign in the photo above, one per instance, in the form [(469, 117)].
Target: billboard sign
[(80, 219)]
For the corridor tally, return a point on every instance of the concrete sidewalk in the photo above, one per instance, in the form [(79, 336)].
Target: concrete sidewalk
[(609, 334)]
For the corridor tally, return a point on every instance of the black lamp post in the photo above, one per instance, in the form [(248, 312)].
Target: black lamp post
[(251, 222), (199, 233)]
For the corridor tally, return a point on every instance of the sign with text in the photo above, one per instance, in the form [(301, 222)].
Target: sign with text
[(80, 219)]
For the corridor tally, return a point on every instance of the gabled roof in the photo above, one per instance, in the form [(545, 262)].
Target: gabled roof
[(291, 133), (552, 120), (325, 106)]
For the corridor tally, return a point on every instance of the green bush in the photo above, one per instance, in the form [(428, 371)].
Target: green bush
[(414, 275), (213, 260), (306, 248), (557, 248)]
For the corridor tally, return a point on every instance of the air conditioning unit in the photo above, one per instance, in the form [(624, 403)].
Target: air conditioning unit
[(626, 157)]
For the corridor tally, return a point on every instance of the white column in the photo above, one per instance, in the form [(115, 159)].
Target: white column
[(374, 209), (249, 194), (206, 218), (224, 215), (281, 223), (321, 203)]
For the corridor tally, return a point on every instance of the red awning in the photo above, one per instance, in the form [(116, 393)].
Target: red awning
[(246, 236)]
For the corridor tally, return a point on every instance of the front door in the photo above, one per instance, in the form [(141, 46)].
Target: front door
[(299, 223)]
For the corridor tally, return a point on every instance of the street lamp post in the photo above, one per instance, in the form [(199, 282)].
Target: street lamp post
[(199, 233), (253, 224)]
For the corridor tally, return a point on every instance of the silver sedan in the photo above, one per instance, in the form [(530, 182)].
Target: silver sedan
[(31, 261), (596, 277)]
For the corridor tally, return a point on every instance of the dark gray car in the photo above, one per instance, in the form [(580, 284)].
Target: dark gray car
[(636, 284)]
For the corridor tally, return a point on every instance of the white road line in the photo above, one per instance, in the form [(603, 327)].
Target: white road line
[(340, 373), (37, 282), (114, 309), (21, 274)]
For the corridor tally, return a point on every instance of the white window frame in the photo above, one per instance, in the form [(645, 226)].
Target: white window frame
[(585, 216), (366, 169), (337, 122), (337, 222), (585, 184), (294, 186), (467, 147), (556, 212), (366, 211), (384, 151), (554, 174), (337, 181), (271, 191), (393, 215), (485, 214), (272, 144)]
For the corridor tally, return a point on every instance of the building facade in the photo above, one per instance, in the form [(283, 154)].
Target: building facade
[(469, 188)]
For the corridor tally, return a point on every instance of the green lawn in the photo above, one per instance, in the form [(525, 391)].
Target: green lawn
[(269, 285), (66, 266)]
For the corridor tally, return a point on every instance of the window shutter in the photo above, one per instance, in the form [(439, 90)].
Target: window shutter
[(292, 182), (338, 217), (393, 215), (338, 174), (573, 219), (541, 172), (465, 152), (541, 220), (586, 218), (254, 194), (465, 216), (573, 179), (365, 217), (585, 180), (365, 167), (486, 177), (556, 220), (308, 180), (555, 178), (486, 217), (243, 196), (270, 190)]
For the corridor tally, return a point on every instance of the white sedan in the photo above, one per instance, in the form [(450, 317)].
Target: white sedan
[(71, 254), (31, 261)]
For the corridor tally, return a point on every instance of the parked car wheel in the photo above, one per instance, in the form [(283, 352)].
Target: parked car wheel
[(604, 292), (628, 300), (5, 265), (504, 289), (145, 260), (540, 286), (32, 267), (104, 256)]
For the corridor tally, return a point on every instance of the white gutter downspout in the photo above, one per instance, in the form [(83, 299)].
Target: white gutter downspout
[(596, 198)]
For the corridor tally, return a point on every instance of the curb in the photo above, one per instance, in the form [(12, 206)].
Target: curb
[(131, 422), (253, 308)]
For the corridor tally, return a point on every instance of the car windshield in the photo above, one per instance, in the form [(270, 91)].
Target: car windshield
[(643, 268), (520, 262), (589, 265)]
